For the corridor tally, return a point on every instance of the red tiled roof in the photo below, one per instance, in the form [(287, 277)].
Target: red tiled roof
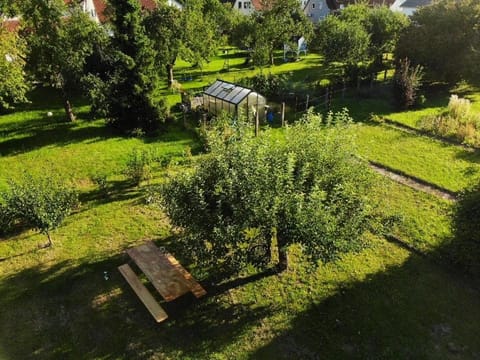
[(258, 4), (148, 4), (100, 7), (11, 24)]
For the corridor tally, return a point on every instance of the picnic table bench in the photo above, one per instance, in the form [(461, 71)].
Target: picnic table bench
[(165, 273)]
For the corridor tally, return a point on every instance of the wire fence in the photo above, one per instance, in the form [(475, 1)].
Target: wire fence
[(322, 98)]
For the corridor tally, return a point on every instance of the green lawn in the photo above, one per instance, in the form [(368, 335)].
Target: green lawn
[(445, 165), (383, 303)]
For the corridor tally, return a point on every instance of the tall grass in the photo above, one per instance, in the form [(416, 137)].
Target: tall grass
[(458, 121)]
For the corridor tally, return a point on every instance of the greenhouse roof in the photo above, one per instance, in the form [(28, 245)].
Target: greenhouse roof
[(228, 92)]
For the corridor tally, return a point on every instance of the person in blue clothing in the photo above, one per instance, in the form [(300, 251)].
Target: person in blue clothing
[(270, 117)]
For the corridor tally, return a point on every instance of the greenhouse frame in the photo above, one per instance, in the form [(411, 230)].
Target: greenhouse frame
[(223, 96)]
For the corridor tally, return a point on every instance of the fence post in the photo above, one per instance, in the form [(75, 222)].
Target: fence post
[(257, 125), (204, 121), (283, 114), (343, 88), (306, 105), (330, 96), (326, 95)]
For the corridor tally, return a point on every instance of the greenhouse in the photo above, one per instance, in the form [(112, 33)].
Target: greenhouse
[(233, 99)]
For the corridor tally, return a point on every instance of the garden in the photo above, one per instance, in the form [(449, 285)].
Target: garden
[(386, 271)]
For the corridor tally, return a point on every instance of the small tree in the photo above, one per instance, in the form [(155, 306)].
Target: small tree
[(406, 83), (307, 188), (39, 202)]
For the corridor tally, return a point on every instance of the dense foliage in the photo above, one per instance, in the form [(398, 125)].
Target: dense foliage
[(269, 85), (58, 46), (176, 33), (359, 34), (41, 203), (279, 22), (464, 249), (13, 86), (445, 39), (306, 188), (132, 99)]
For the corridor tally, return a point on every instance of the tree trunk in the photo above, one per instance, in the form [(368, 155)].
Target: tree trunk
[(68, 110), (282, 254), (50, 242), (170, 75), (272, 62)]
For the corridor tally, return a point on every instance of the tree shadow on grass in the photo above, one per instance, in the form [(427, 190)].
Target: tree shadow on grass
[(411, 311), (85, 310), (57, 134), (117, 190)]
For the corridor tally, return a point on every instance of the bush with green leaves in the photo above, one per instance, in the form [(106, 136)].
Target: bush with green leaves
[(270, 85), (139, 165), (41, 203), (306, 187)]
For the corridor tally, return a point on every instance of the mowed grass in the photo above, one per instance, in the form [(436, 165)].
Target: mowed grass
[(57, 304), (381, 303), (448, 166), (34, 142), (424, 220)]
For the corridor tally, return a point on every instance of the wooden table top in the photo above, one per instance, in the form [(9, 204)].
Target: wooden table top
[(165, 273)]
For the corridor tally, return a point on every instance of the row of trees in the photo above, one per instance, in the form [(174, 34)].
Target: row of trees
[(119, 65)]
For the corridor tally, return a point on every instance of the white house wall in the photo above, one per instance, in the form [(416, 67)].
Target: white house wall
[(315, 10), (244, 7)]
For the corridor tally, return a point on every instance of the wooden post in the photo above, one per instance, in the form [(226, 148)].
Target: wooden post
[(326, 95), (343, 88), (204, 121), (296, 103), (306, 105), (257, 124), (385, 75), (283, 114)]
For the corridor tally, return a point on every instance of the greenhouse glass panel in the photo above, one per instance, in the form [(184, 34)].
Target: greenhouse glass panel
[(231, 98)]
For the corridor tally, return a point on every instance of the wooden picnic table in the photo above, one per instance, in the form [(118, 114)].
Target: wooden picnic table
[(165, 273)]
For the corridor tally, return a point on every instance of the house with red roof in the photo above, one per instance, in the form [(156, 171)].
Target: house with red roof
[(96, 9)]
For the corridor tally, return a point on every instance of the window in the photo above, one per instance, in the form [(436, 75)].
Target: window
[(246, 5), (313, 5), (239, 4)]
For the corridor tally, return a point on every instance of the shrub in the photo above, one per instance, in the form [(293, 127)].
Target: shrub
[(457, 122), (268, 85), (139, 166), (406, 82), (100, 180), (41, 203)]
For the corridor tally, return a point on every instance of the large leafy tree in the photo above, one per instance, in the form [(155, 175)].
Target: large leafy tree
[(133, 85), (193, 33), (59, 41), (360, 35), (276, 25), (13, 86), (445, 38), (307, 188)]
